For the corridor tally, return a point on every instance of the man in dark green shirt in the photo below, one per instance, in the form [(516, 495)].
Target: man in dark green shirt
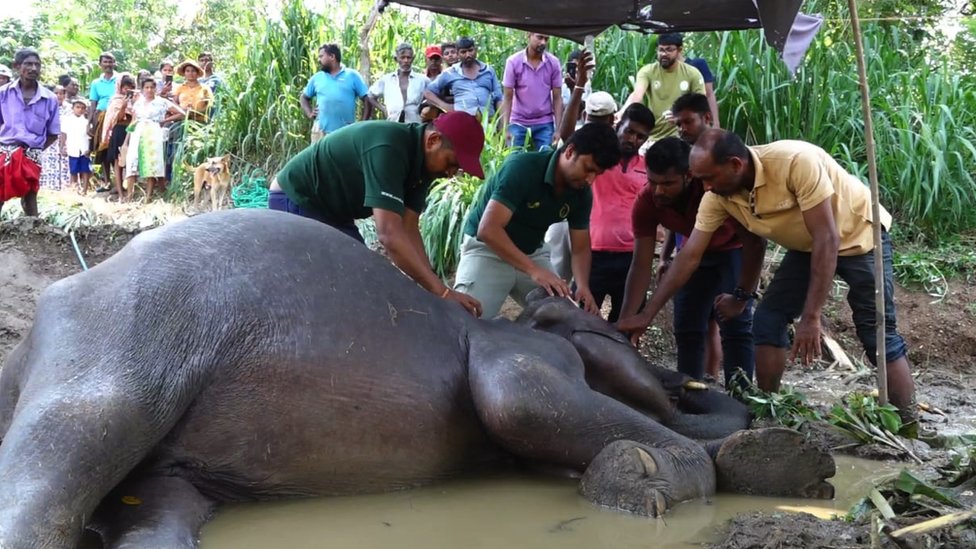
[(503, 251), (384, 170)]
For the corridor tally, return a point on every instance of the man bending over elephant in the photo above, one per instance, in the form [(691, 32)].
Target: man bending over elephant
[(383, 169), (503, 252), (797, 195)]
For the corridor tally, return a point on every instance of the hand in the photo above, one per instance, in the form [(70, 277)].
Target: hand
[(551, 282), (669, 117), (634, 327), (806, 340), (585, 298), (728, 307), (471, 304), (584, 64), (662, 269)]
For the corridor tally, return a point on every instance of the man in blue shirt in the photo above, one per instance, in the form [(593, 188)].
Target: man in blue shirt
[(475, 86), (101, 90), (335, 89)]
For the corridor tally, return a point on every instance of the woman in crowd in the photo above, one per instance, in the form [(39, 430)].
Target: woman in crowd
[(144, 158), (192, 96), (54, 159), (118, 116)]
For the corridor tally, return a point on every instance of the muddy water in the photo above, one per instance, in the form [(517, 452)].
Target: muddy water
[(507, 510)]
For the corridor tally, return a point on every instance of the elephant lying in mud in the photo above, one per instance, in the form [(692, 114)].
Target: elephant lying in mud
[(252, 354)]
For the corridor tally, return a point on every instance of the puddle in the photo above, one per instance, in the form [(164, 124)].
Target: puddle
[(508, 510)]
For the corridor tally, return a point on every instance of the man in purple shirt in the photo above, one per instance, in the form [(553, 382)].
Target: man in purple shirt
[(29, 123), (533, 101)]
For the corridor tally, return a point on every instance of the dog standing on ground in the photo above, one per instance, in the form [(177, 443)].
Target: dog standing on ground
[(213, 174)]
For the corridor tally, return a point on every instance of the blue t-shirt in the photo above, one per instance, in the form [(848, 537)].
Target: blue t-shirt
[(336, 97), (102, 90), (702, 67)]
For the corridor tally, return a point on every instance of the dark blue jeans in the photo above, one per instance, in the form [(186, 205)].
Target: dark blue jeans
[(278, 200), (787, 292), (694, 306), (608, 277)]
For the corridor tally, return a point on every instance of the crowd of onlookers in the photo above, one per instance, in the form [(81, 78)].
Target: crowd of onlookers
[(127, 124)]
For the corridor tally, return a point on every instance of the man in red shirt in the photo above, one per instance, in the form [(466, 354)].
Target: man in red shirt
[(671, 199), (614, 193)]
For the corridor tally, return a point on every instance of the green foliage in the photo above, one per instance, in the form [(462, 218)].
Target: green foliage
[(787, 407), (863, 417), (931, 269)]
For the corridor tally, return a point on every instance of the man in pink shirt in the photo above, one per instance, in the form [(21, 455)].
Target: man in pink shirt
[(532, 94), (614, 193)]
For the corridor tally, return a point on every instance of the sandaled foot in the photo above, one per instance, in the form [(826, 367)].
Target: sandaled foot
[(632, 477), (774, 462)]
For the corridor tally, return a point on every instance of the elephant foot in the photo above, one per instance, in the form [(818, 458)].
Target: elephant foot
[(774, 462), (632, 477)]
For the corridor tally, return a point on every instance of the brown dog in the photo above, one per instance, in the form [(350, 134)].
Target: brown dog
[(213, 174)]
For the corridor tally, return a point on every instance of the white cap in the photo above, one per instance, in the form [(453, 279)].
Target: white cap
[(5, 71), (600, 103)]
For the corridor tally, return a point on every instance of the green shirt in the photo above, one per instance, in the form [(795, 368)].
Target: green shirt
[(525, 185), (357, 168), (663, 88)]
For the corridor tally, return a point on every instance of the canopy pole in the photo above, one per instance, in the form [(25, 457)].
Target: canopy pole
[(879, 307)]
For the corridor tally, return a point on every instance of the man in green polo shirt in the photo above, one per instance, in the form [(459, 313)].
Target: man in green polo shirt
[(503, 253), (384, 170)]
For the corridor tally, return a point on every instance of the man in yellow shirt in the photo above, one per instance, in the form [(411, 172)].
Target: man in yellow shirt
[(796, 195), (659, 84)]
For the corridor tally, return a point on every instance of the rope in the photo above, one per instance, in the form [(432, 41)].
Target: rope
[(251, 193)]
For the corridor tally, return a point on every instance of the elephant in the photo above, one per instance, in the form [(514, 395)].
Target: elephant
[(615, 368), (252, 354)]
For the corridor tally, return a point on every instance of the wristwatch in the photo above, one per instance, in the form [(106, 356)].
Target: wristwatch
[(742, 295)]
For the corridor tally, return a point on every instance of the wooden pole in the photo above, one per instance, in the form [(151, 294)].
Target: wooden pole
[(365, 67), (875, 206)]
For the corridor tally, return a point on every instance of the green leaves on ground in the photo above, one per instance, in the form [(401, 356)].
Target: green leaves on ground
[(787, 407)]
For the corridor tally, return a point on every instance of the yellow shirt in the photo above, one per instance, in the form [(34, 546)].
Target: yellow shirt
[(194, 100), (663, 88), (792, 177)]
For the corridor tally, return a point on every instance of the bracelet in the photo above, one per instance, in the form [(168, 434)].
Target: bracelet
[(579, 88), (446, 291)]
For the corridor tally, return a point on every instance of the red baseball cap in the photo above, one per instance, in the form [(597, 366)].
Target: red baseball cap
[(431, 51), (468, 138)]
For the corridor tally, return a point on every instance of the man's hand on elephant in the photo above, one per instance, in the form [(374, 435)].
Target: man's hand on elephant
[(585, 298), (471, 304), (806, 340), (634, 327), (728, 307), (551, 282)]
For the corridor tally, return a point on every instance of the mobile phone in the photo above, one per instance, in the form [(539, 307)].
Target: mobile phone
[(169, 79)]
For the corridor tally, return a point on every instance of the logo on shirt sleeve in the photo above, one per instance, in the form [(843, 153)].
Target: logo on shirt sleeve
[(533, 205), (564, 211), (683, 85)]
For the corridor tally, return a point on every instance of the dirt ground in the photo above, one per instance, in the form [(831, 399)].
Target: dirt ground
[(941, 336)]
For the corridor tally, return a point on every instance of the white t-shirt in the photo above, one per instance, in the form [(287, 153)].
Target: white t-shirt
[(75, 129)]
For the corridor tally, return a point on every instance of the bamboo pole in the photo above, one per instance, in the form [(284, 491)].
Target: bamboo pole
[(875, 206)]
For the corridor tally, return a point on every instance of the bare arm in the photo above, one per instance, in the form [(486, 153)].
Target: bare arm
[(819, 221), (684, 266), (557, 109), (575, 106), (310, 112), (582, 261), (712, 104), (369, 105), (640, 88), (639, 275), (394, 231), (505, 111), (491, 231), (436, 101)]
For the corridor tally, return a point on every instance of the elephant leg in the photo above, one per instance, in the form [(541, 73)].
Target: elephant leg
[(772, 462), (165, 512), (543, 412)]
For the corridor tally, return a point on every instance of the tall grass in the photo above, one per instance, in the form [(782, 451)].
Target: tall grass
[(924, 103)]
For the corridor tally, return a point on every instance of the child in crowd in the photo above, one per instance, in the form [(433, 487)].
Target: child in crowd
[(74, 125)]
